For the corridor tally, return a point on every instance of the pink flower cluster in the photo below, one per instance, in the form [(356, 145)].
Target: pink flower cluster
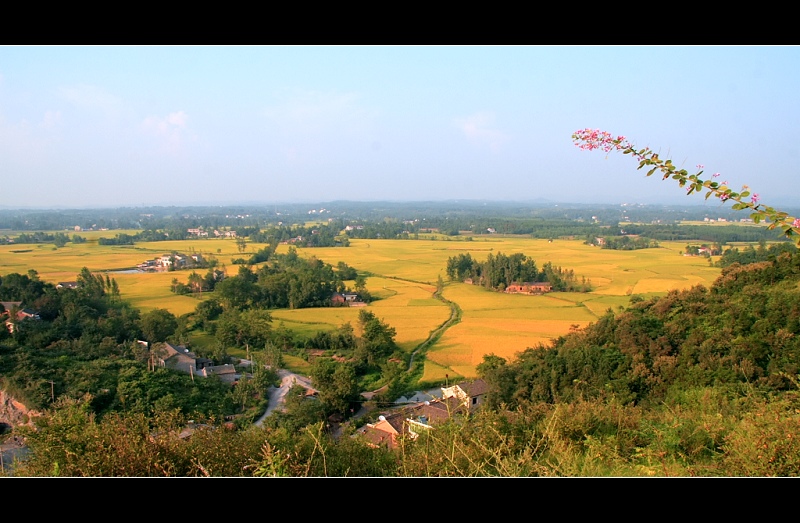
[(591, 139)]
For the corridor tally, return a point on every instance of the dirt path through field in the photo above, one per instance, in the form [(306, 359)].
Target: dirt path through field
[(433, 337)]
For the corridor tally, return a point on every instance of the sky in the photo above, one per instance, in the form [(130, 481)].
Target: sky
[(128, 126)]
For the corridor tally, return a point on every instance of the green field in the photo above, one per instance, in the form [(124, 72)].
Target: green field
[(403, 275)]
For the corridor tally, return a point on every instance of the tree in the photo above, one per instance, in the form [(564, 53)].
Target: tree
[(337, 385), (271, 356), (60, 239), (346, 272), (196, 283), (377, 340), (238, 292), (241, 244), (158, 325), (251, 327), (208, 310), (89, 285)]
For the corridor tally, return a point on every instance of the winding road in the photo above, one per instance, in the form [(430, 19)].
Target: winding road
[(277, 395), (289, 379)]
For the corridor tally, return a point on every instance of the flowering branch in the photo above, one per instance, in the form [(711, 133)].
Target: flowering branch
[(591, 139)]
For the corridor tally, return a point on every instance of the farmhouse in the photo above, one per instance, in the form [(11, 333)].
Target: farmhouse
[(471, 394), (537, 287), (8, 305), (346, 299), (412, 421), (226, 373), (197, 232), (409, 421), (12, 310), (178, 357)]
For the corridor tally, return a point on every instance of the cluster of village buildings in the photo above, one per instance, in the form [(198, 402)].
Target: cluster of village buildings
[(408, 420), (172, 261), (179, 358), (202, 233), (411, 420)]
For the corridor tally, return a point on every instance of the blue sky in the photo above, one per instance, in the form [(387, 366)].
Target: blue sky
[(85, 126)]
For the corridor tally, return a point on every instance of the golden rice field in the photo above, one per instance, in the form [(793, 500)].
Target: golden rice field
[(406, 306), (403, 275), (505, 324)]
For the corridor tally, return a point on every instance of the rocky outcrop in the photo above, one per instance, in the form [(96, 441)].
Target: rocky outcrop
[(15, 413)]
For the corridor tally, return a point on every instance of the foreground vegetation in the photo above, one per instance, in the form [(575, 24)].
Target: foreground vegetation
[(700, 382)]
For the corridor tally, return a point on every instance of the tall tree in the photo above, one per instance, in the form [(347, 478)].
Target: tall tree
[(158, 325)]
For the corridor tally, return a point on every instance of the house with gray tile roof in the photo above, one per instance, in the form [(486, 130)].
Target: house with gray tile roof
[(410, 421), (471, 394)]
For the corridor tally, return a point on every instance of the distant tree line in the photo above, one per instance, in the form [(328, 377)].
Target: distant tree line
[(711, 233), (59, 239)]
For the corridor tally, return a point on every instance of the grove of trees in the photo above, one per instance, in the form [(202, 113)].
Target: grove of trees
[(501, 270)]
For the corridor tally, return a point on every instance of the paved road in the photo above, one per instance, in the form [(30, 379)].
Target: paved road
[(277, 394)]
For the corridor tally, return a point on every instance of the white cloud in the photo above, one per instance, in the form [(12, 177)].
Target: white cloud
[(93, 97), (315, 111), (178, 118), (51, 120), (478, 128), (171, 129)]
